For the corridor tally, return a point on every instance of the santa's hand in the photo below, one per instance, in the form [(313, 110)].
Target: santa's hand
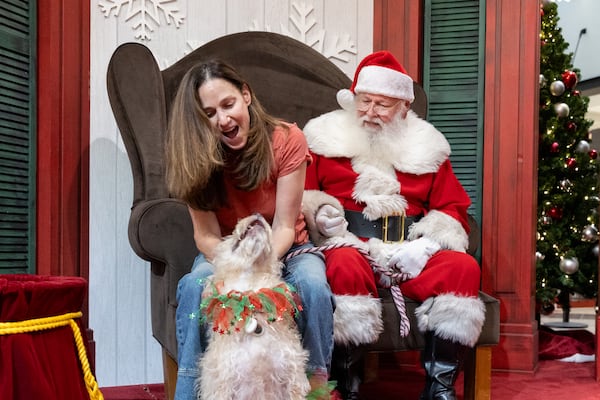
[(330, 221), (412, 256)]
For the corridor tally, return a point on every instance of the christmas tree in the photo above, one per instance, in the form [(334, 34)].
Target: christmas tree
[(567, 234)]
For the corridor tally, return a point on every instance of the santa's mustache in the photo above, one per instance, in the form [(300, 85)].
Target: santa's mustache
[(384, 130), (372, 120)]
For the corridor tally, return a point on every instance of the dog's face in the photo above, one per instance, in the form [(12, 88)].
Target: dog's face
[(248, 248), (259, 355)]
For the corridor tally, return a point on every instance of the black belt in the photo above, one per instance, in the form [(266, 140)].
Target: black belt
[(389, 229)]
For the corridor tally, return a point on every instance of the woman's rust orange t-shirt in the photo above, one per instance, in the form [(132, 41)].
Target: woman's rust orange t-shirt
[(290, 150)]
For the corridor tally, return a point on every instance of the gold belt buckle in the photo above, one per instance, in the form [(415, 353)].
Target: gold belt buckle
[(385, 228)]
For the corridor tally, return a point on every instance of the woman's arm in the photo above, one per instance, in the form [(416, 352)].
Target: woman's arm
[(287, 207), (207, 233)]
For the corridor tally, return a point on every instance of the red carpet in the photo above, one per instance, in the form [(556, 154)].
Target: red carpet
[(553, 380), (136, 392)]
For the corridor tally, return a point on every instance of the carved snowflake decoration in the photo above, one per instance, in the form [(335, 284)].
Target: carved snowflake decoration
[(144, 14), (304, 22)]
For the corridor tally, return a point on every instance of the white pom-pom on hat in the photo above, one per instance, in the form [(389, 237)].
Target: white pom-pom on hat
[(345, 99)]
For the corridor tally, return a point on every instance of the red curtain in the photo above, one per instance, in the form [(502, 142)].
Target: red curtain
[(43, 364)]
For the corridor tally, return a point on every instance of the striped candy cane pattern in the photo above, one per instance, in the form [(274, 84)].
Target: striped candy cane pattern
[(386, 277)]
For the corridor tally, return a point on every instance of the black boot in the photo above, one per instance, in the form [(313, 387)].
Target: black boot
[(442, 360), (347, 369)]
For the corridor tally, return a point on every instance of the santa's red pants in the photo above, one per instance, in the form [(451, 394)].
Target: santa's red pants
[(447, 271)]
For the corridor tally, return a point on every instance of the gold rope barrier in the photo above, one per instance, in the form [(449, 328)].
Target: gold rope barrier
[(39, 324)]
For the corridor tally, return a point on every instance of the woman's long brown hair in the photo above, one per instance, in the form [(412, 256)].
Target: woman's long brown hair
[(195, 155)]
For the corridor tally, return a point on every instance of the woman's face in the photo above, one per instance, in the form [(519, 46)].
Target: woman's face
[(227, 110)]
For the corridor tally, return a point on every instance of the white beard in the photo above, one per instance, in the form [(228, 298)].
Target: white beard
[(380, 139), (376, 185)]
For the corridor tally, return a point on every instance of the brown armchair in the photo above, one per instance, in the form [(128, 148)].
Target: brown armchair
[(294, 82)]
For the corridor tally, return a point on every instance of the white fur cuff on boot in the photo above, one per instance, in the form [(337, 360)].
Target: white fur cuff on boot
[(357, 319), (449, 316)]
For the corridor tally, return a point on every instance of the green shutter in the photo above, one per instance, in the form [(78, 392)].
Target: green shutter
[(17, 135), (453, 78)]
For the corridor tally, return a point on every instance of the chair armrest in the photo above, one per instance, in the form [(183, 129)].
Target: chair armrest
[(161, 231)]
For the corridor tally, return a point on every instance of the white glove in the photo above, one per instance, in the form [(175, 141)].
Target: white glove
[(412, 256), (330, 221)]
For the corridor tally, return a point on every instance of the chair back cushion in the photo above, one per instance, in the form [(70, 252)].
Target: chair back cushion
[(291, 80), (136, 94)]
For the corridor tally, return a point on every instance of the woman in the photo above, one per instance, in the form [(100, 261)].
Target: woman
[(227, 158)]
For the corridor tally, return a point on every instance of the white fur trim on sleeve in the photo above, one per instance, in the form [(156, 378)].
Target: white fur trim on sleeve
[(312, 200), (441, 228), (380, 191)]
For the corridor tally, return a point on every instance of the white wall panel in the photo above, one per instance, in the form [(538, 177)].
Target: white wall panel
[(126, 353)]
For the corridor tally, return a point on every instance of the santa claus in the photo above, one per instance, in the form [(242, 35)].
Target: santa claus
[(384, 174)]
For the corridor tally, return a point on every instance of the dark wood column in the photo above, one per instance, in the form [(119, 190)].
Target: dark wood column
[(63, 138), (510, 176)]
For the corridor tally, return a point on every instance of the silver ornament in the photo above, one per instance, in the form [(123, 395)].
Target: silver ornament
[(583, 147), (569, 265), (589, 234), (562, 110), (543, 80), (595, 251), (539, 256), (566, 185), (557, 88)]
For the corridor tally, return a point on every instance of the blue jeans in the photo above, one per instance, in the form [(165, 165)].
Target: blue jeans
[(305, 272)]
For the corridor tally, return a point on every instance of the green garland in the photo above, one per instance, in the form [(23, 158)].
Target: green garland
[(231, 311)]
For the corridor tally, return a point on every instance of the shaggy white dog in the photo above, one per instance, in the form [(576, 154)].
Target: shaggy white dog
[(255, 351)]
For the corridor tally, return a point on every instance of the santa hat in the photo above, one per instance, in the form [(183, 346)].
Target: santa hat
[(378, 73)]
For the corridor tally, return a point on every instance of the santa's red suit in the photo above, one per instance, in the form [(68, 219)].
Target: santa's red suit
[(363, 177), (411, 176)]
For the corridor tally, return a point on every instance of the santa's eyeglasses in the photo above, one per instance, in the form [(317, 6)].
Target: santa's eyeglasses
[(364, 104)]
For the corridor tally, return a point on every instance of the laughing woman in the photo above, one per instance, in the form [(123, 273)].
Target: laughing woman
[(227, 158)]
